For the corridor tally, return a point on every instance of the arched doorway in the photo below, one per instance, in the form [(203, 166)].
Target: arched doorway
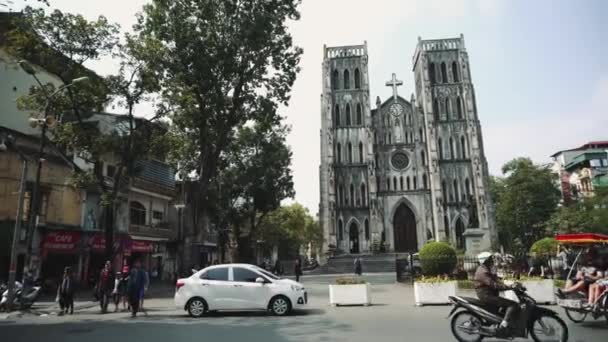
[(353, 233), (460, 234), (404, 229)]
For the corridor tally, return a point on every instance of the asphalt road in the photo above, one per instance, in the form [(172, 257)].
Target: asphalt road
[(393, 317)]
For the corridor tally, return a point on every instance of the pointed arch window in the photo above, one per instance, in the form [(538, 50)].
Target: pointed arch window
[(407, 183), (456, 191), (467, 187), (455, 72), (401, 183), (452, 151), (390, 138), (347, 114), (360, 152), (335, 79), (459, 108), (444, 73), (423, 158), (346, 79), (363, 195), (415, 181), (350, 153), (395, 183), (339, 153), (340, 194), (367, 229), (436, 109), (444, 191), (340, 230), (463, 147), (376, 159), (352, 195), (359, 114), (446, 224), (448, 112), (440, 145), (424, 181), (357, 79), (421, 135), (432, 73), (337, 115), (388, 184)]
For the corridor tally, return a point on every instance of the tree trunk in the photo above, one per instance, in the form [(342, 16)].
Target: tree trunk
[(109, 232)]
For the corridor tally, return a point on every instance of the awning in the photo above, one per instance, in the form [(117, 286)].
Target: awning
[(61, 241), (147, 238), (582, 238)]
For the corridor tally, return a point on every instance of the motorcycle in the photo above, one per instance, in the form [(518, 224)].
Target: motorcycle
[(472, 320), (23, 298)]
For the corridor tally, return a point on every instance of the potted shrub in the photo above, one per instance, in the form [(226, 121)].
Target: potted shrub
[(437, 260), (541, 289), (349, 291)]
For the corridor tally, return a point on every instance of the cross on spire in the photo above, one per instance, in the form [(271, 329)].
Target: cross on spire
[(394, 82)]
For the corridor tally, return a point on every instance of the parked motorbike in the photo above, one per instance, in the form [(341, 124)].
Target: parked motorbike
[(23, 298), (472, 320)]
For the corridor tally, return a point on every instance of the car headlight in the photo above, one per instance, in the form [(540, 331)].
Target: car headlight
[(296, 288)]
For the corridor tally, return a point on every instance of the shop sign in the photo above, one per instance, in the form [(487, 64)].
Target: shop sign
[(61, 241), (142, 246)]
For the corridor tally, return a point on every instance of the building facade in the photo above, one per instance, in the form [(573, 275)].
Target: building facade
[(405, 171)]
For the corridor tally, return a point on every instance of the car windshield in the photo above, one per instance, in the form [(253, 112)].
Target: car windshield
[(266, 273)]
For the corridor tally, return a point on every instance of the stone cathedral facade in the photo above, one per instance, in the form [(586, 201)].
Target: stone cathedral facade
[(399, 172)]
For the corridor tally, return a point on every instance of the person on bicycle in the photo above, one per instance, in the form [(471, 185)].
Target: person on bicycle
[(488, 287), (585, 276)]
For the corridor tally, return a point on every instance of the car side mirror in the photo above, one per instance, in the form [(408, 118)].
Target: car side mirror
[(260, 280)]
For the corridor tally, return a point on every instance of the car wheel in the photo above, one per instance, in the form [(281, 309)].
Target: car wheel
[(280, 306), (197, 307)]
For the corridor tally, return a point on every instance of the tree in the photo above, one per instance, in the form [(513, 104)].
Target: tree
[(222, 64), (525, 198), (62, 43), (589, 215)]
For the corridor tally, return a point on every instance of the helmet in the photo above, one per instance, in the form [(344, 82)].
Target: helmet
[(483, 256)]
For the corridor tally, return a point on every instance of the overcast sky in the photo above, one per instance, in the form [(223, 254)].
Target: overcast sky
[(540, 68)]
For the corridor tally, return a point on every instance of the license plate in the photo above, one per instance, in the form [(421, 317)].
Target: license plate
[(570, 303)]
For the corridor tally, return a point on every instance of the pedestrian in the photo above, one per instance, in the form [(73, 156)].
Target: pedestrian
[(358, 267), (135, 287), (278, 268), (142, 293), (105, 285), (65, 292), (298, 269), (120, 291)]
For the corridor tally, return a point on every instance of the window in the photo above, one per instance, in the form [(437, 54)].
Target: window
[(452, 152), (110, 170), (444, 73), (390, 140), (432, 73), (376, 159), (340, 230), (401, 182), (456, 191), (395, 183), (455, 72), (423, 158), (367, 229), (424, 181), (157, 215), (467, 188), (447, 109), (436, 109), (339, 153), (421, 135), (244, 275), (337, 114), (407, 181), (137, 213), (359, 114), (347, 114), (388, 184), (463, 148), (335, 80), (360, 152), (459, 108), (444, 190), (350, 153), (346, 80), (415, 179), (363, 195), (340, 194), (352, 195), (446, 224), (219, 274), (357, 79), (440, 146)]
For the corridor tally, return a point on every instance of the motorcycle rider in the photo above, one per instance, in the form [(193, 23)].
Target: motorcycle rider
[(488, 287)]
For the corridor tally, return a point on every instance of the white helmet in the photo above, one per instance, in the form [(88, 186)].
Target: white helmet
[(483, 256)]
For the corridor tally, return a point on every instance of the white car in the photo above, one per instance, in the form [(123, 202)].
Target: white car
[(239, 287)]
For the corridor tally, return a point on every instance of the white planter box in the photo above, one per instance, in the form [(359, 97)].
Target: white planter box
[(434, 293), (358, 294), (543, 291)]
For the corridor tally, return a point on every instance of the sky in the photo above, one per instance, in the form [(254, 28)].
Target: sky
[(539, 68)]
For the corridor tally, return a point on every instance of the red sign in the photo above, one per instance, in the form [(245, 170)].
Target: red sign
[(61, 241), (142, 246), (98, 242)]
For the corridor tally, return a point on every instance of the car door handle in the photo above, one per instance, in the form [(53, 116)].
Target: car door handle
[(237, 285), (205, 284)]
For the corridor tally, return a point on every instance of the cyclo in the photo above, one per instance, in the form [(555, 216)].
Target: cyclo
[(575, 304)]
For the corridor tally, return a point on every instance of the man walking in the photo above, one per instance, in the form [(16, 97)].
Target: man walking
[(105, 285), (135, 287), (358, 267), (298, 269), (65, 292)]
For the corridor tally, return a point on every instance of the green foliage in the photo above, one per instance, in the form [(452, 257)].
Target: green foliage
[(544, 247), (588, 215), (466, 284), (433, 279), (525, 198), (349, 281), (559, 283), (437, 258)]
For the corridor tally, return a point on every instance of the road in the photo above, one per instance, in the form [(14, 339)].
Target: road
[(393, 317)]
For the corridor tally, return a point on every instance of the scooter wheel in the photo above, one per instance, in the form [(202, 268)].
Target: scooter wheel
[(549, 328), (463, 321)]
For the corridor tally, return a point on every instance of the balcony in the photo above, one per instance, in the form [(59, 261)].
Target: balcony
[(161, 230)]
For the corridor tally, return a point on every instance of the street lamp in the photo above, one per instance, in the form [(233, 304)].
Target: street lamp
[(45, 122), (6, 141)]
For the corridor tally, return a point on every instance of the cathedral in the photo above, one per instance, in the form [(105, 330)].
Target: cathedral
[(400, 172)]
